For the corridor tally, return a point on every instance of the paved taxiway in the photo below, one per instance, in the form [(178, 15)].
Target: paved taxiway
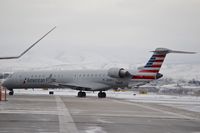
[(53, 114)]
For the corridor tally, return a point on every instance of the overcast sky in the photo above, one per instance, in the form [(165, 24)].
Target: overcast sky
[(112, 30)]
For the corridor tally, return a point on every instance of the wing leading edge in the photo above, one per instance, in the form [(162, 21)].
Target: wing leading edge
[(17, 57)]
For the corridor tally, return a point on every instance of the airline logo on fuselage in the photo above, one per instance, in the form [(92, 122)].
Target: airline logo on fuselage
[(40, 80)]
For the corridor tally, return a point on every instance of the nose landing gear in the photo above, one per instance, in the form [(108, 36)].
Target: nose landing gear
[(11, 92)]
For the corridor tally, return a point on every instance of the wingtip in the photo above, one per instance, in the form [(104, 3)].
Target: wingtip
[(53, 28)]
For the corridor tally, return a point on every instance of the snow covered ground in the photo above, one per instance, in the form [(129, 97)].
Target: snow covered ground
[(190, 103)]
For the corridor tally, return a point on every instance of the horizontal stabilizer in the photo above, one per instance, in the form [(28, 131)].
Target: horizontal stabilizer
[(155, 62), (166, 51)]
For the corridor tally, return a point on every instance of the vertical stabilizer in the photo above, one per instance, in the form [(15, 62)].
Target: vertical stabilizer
[(151, 70)]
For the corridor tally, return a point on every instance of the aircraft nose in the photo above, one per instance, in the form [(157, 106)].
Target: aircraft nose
[(4, 82)]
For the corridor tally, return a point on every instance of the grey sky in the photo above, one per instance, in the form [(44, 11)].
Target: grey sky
[(116, 30)]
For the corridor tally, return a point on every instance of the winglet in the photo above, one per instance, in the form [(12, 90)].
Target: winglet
[(16, 57)]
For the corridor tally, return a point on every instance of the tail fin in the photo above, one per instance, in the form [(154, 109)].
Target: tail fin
[(155, 62), (151, 70)]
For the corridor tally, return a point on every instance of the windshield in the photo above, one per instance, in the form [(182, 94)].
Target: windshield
[(5, 75)]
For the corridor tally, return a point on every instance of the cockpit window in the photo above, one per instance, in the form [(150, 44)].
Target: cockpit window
[(5, 75), (1, 76)]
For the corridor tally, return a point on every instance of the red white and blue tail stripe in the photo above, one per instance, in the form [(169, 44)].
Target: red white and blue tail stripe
[(154, 64), (151, 70)]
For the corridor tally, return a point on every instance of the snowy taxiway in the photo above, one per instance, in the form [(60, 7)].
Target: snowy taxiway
[(35, 111)]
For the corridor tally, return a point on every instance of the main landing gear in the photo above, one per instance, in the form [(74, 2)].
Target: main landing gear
[(102, 94), (81, 94)]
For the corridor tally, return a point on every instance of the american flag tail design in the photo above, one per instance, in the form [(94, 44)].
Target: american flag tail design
[(151, 70)]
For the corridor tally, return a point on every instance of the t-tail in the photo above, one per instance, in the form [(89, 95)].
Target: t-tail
[(151, 70)]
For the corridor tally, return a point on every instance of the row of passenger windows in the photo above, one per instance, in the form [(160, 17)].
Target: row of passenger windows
[(61, 76), (42, 76), (89, 75)]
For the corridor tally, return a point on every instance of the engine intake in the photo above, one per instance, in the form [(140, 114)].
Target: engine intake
[(118, 73)]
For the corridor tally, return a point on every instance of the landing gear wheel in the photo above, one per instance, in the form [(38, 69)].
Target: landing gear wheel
[(102, 94), (84, 94), (11, 93), (81, 94), (51, 92)]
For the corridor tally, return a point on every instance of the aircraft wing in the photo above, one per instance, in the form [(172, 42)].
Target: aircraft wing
[(16, 57), (89, 86)]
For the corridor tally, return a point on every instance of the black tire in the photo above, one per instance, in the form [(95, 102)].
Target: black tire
[(11, 93), (99, 94), (51, 92), (83, 94), (102, 95), (79, 94)]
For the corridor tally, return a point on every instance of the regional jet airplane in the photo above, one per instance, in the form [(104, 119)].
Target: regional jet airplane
[(91, 80)]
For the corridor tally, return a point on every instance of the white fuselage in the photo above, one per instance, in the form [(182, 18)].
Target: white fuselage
[(58, 79)]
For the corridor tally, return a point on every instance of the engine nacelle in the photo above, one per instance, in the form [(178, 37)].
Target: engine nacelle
[(118, 73)]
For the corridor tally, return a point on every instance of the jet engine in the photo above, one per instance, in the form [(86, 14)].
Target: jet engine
[(118, 73)]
